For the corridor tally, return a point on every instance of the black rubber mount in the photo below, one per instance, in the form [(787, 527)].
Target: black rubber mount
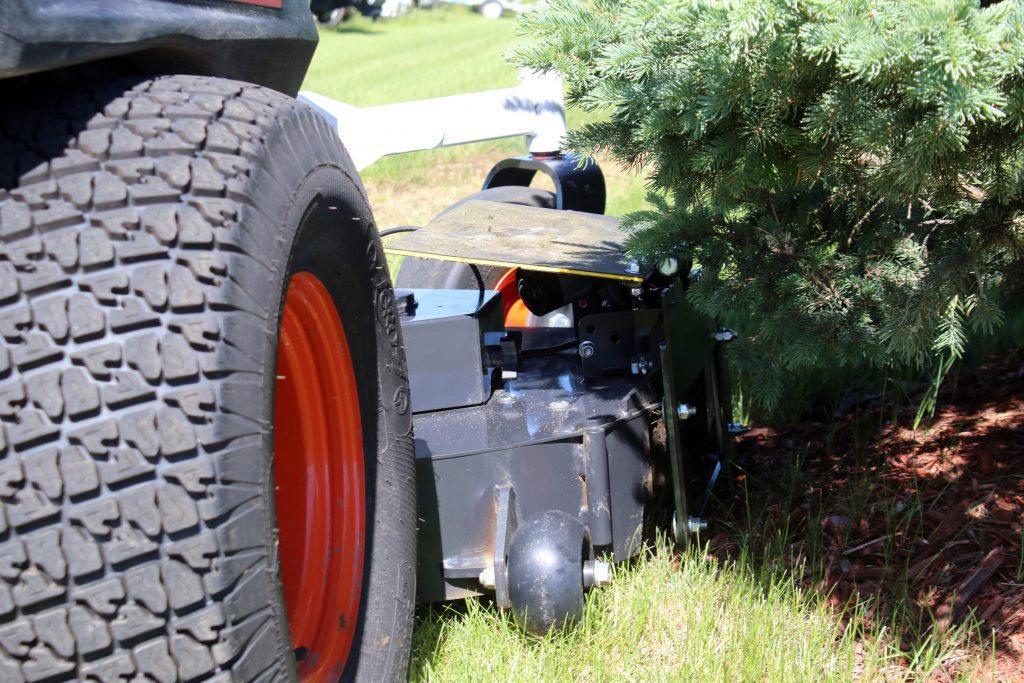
[(579, 183), (545, 571)]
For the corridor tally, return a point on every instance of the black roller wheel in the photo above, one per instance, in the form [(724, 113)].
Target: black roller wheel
[(151, 234), (545, 572)]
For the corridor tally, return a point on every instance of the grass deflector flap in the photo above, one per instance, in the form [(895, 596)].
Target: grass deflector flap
[(492, 233)]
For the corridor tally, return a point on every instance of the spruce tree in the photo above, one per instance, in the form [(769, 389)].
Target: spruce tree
[(847, 172)]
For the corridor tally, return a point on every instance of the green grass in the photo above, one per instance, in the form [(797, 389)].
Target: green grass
[(425, 54), (679, 618), (663, 621)]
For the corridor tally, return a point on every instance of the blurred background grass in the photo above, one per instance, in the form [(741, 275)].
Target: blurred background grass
[(433, 53)]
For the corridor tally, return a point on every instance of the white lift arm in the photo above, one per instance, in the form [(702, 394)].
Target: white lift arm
[(533, 109)]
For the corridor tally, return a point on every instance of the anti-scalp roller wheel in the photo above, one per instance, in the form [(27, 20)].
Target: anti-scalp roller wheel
[(545, 571)]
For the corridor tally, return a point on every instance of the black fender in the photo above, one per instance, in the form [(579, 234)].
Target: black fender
[(268, 42)]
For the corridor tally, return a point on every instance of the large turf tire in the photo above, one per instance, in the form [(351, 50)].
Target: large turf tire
[(148, 229), (435, 274)]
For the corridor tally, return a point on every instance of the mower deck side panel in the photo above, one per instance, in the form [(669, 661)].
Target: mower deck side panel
[(495, 233), (244, 41), (529, 438)]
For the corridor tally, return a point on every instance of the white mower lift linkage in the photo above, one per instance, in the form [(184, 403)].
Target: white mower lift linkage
[(533, 109)]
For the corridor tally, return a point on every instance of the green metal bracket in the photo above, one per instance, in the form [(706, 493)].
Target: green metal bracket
[(691, 357)]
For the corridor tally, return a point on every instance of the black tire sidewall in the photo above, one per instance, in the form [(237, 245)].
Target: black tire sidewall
[(333, 237)]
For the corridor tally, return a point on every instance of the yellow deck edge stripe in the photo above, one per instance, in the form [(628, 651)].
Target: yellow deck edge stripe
[(504, 264)]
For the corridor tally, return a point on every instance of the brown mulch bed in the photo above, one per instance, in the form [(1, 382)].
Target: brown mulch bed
[(931, 520)]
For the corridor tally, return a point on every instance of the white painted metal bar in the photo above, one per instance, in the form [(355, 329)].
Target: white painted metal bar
[(533, 109)]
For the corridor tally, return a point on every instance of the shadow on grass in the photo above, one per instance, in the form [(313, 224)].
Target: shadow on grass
[(358, 29)]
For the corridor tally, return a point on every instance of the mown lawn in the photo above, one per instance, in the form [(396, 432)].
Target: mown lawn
[(690, 616), (432, 53)]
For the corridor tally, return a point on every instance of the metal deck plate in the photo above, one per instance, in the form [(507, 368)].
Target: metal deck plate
[(513, 236)]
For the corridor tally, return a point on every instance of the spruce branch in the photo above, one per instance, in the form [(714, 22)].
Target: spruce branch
[(850, 174)]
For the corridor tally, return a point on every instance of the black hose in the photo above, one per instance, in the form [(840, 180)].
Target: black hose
[(472, 266), (479, 283), (395, 231), (546, 350)]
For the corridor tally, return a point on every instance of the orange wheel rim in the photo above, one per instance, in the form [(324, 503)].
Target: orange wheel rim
[(515, 310), (319, 480)]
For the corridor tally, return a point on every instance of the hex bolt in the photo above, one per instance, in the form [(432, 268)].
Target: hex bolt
[(640, 365), (724, 335), (695, 525), (597, 574), (685, 411), (636, 292), (587, 349), (486, 578), (559, 320)]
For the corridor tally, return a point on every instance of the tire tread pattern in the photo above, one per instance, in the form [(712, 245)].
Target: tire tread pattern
[(132, 517)]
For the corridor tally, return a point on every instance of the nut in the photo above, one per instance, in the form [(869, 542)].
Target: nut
[(695, 525), (601, 573), (724, 335)]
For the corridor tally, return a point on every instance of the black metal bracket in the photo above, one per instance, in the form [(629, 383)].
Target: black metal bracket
[(506, 520), (579, 183)]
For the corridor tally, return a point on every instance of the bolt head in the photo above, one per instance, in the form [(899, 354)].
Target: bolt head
[(695, 525), (486, 578), (587, 349), (685, 411)]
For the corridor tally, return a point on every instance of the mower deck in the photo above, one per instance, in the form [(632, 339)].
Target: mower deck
[(511, 236), (529, 437)]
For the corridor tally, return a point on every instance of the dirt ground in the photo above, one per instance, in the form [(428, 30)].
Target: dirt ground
[(928, 523)]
